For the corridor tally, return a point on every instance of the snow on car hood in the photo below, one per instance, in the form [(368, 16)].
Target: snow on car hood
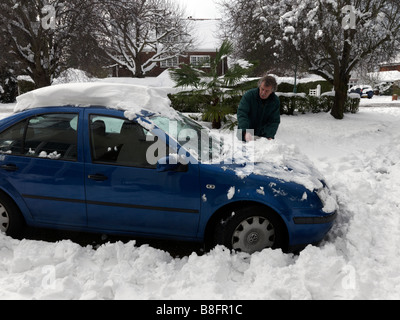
[(131, 98), (277, 160), (271, 158)]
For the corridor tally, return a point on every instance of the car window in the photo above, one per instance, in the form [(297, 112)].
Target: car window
[(11, 139), (51, 136), (119, 141)]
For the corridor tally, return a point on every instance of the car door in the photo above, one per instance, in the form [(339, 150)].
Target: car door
[(127, 194), (42, 162)]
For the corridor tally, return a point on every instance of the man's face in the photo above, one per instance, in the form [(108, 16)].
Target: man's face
[(265, 91)]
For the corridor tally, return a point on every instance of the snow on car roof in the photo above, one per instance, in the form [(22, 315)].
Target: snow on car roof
[(131, 98)]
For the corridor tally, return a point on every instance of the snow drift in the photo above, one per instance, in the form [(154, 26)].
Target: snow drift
[(359, 259)]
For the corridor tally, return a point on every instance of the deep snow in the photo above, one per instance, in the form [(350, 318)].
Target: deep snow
[(360, 159)]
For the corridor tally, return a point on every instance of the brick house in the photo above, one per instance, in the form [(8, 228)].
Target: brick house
[(204, 49), (390, 67), (394, 65)]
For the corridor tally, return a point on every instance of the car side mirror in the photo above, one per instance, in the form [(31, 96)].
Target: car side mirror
[(170, 163)]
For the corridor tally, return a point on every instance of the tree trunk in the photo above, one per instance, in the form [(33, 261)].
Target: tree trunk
[(41, 79), (340, 84)]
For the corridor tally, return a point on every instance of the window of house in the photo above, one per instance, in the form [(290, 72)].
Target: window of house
[(170, 63), (203, 61)]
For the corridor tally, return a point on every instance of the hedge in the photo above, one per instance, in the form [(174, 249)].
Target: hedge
[(303, 103), (290, 103), (8, 86)]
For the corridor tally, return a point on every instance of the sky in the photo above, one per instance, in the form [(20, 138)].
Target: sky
[(204, 9)]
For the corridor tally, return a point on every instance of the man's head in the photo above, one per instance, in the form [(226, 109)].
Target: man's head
[(267, 85)]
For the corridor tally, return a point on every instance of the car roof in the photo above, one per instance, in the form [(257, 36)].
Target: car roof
[(132, 99)]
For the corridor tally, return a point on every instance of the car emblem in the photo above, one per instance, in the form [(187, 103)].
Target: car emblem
[(210, 186)]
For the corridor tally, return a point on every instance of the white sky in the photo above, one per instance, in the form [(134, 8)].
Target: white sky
[(201, 9)]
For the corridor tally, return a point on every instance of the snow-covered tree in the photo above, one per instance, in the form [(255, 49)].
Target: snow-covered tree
[(333, 37), (253, 41), (137, 34), (40, 33)]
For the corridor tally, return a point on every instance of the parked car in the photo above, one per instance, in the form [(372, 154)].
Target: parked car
[(363, 90), (66, 163)]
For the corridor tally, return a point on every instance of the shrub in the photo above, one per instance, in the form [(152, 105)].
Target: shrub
[(352, 104), (25, 84), (291, 102), (302, 103), (8, 86), (304, 87), (285, 87), (327, 102), (210, 93)]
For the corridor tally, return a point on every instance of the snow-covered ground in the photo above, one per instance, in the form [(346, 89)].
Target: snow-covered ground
[(359, 259)]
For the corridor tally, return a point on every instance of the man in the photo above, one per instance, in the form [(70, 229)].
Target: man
[(259, 111)]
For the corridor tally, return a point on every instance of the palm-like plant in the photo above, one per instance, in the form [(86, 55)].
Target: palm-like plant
[(214, 94)]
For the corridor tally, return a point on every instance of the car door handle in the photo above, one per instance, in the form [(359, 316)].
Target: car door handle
[(97, 177), (9, 167)]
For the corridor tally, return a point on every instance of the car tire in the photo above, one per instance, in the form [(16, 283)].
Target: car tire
[(250, 229), (12, 222)]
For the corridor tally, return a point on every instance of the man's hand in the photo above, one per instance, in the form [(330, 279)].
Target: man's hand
[(248, 137)]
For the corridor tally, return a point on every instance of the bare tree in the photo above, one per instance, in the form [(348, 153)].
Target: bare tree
[(40, 33), (137, 34)]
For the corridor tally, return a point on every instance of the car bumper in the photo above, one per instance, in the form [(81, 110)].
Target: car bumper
[(315, 220), (309, 229)]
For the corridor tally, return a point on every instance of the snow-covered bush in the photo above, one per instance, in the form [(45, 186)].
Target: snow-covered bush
[(25, 84), (302, 103), (8, 86)]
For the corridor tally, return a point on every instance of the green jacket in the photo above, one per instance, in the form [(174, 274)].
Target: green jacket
[(261, 115)]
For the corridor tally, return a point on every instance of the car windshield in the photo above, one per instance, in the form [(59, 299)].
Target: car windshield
[(195, 138)]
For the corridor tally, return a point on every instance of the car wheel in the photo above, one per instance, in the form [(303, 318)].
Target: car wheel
[(11, 220), (251, 229)]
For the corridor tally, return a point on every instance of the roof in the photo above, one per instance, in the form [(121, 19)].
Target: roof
[(130, 98), (386, 76)]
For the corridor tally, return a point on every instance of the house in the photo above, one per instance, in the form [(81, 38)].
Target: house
[(205, 46), (393, 65), (390, 71), (389, 67)]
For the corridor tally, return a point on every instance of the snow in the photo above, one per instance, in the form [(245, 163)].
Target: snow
[(386, 76), (360, 159), (231, 192), (132, 98)]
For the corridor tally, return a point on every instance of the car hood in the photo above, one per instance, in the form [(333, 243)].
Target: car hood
[(273, 164), (268, 158)]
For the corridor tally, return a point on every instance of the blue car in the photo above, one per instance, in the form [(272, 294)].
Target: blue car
[(115, 170)]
